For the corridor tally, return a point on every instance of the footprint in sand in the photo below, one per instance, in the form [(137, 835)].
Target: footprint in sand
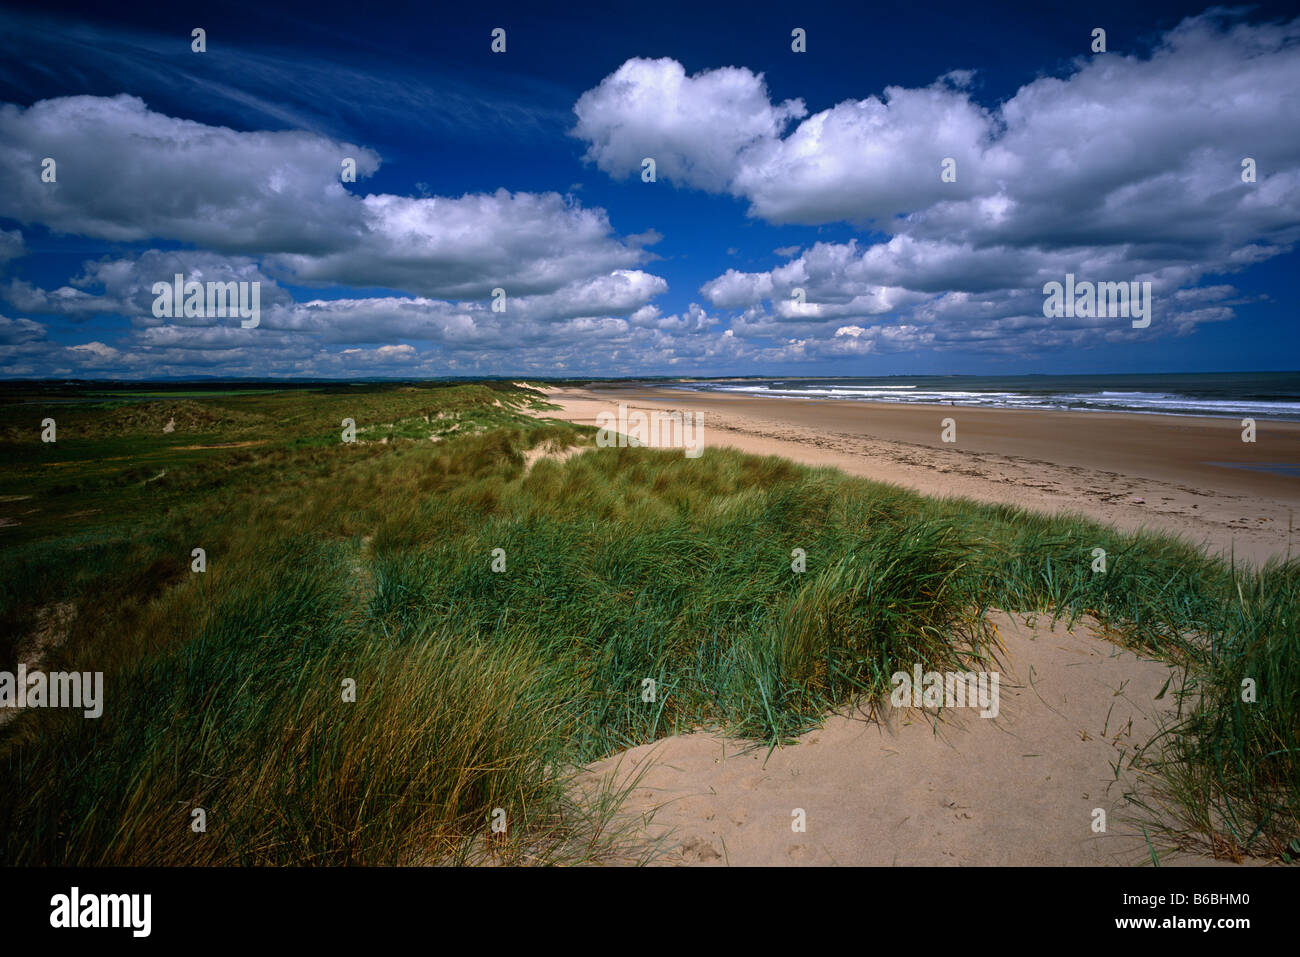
[(696, 850), (800, 854)]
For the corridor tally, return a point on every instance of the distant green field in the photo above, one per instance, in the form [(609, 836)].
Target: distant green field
[(482, 687), (194, 394)]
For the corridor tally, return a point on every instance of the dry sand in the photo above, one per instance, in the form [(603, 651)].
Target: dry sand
[(1127, 470), (1021, 788), (1018, 789)]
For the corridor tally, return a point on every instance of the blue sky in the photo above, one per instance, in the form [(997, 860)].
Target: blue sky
[(776, 171)]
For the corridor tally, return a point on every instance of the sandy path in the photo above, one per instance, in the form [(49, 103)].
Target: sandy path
[(1017, 789)]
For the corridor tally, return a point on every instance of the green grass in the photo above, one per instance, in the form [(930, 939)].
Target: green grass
[(479, 690)]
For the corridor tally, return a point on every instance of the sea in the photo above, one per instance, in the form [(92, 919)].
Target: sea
[(1257, 395)]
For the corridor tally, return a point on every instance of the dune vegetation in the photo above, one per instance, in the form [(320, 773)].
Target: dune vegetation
[(498, 610)]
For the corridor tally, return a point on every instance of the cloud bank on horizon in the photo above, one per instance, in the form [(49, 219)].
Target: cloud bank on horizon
[(1128, 167)]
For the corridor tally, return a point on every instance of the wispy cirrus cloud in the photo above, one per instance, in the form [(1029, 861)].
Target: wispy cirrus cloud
[(260, 87)]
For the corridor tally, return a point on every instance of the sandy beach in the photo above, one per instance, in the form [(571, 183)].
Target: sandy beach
[(1131, 471), (902, 788)]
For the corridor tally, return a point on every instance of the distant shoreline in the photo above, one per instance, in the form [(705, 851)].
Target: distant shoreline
[(1273, 396)]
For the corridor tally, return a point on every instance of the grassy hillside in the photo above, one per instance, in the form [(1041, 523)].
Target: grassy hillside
[(477, 689)]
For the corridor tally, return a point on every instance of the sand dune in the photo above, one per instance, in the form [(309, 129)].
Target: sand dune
[(1018, 789)]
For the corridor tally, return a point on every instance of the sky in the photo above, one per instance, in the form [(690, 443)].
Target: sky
[(800, 221)]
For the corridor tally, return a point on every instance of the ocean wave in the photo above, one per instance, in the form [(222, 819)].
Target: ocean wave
[(1154, 402)]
